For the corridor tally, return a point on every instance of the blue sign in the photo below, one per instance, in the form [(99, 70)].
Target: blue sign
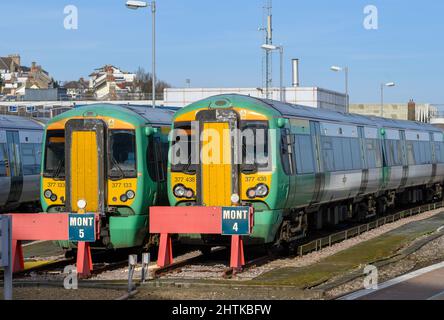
[(82, 227), (235, 221)]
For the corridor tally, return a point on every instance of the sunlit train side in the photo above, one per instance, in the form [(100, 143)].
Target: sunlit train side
[(321, 167), (112, 157), (20, 154)]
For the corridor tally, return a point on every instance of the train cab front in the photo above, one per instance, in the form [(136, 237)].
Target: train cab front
[(90, 166), (221, 157)]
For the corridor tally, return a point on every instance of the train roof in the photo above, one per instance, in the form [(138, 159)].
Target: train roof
[(158, 115), (155, 116), (16, 122), (299, 111)]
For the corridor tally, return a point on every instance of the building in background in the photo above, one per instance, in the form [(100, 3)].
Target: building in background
[(51, 94), (9, 70), (402, 111), (110, 82), (15, 78), (307, 96), (77, 89)]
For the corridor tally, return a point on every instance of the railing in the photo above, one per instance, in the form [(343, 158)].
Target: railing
[(117, 96), (325, 242)]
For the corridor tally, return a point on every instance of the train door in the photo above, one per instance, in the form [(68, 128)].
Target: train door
[(217, 174), (14, 166), (319, 166), (84, 154), (364, 164), (4, 170), (405, 162), (433, 157)]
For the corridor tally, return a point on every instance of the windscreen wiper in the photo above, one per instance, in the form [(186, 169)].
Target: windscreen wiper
[(122, 174), (60, 165)]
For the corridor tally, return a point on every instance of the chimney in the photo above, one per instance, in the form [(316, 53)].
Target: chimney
[(411, 107), (295, 72), (15, 58)]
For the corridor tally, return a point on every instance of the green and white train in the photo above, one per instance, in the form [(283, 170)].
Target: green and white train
[(322, 167)]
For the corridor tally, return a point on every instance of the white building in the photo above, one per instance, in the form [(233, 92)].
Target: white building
[(307, 96), (108, 82)]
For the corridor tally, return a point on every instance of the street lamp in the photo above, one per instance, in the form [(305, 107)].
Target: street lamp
[(270, 47), (142, 4), (345, 69), (383, 85)]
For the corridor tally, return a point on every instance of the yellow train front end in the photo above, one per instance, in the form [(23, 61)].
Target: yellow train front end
[(227, 163), (95, 161)]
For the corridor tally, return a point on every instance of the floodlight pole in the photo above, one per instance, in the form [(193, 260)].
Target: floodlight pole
[(142, 4), (153, 11)]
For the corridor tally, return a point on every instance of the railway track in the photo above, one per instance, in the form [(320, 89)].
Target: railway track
[(303, 248), (215, 262)]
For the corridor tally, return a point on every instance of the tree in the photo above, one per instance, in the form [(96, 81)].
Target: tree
[(143, 83), (55, 84)]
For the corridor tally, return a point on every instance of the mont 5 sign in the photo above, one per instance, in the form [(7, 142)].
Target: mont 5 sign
[(235, 221), (82, 227)]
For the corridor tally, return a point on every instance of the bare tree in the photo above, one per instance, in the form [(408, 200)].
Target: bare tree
[(143, 83)]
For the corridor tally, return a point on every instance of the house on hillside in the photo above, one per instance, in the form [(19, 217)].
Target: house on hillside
[(110, 82), (15, 78), (77, 89)]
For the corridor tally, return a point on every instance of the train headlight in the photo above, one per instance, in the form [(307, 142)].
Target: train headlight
[(47, 194), (123, 198), (261, 190), (53, 197), (130, 194), (179, 191)]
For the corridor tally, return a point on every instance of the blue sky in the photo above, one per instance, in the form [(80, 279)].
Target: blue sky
[(217, 44)]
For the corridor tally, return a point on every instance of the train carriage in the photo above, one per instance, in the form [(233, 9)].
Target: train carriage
[(20, 153), (321, 167), (110, 160)]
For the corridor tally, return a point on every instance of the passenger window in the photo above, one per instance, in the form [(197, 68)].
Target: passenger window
[(328, 154), (356, 156), (439, 152), (31, 162), (373, 153), (304, 154)]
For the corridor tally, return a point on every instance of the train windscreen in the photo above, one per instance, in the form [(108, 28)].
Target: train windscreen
[(54, 164), (122, 154)]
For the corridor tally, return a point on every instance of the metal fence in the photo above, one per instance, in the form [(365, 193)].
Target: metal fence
[(325, 242), (118, 96)]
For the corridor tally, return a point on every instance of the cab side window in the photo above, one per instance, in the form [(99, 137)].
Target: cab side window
[(287, 152)]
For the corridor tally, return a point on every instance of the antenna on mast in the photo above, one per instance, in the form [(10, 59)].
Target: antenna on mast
[(268, 35)]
